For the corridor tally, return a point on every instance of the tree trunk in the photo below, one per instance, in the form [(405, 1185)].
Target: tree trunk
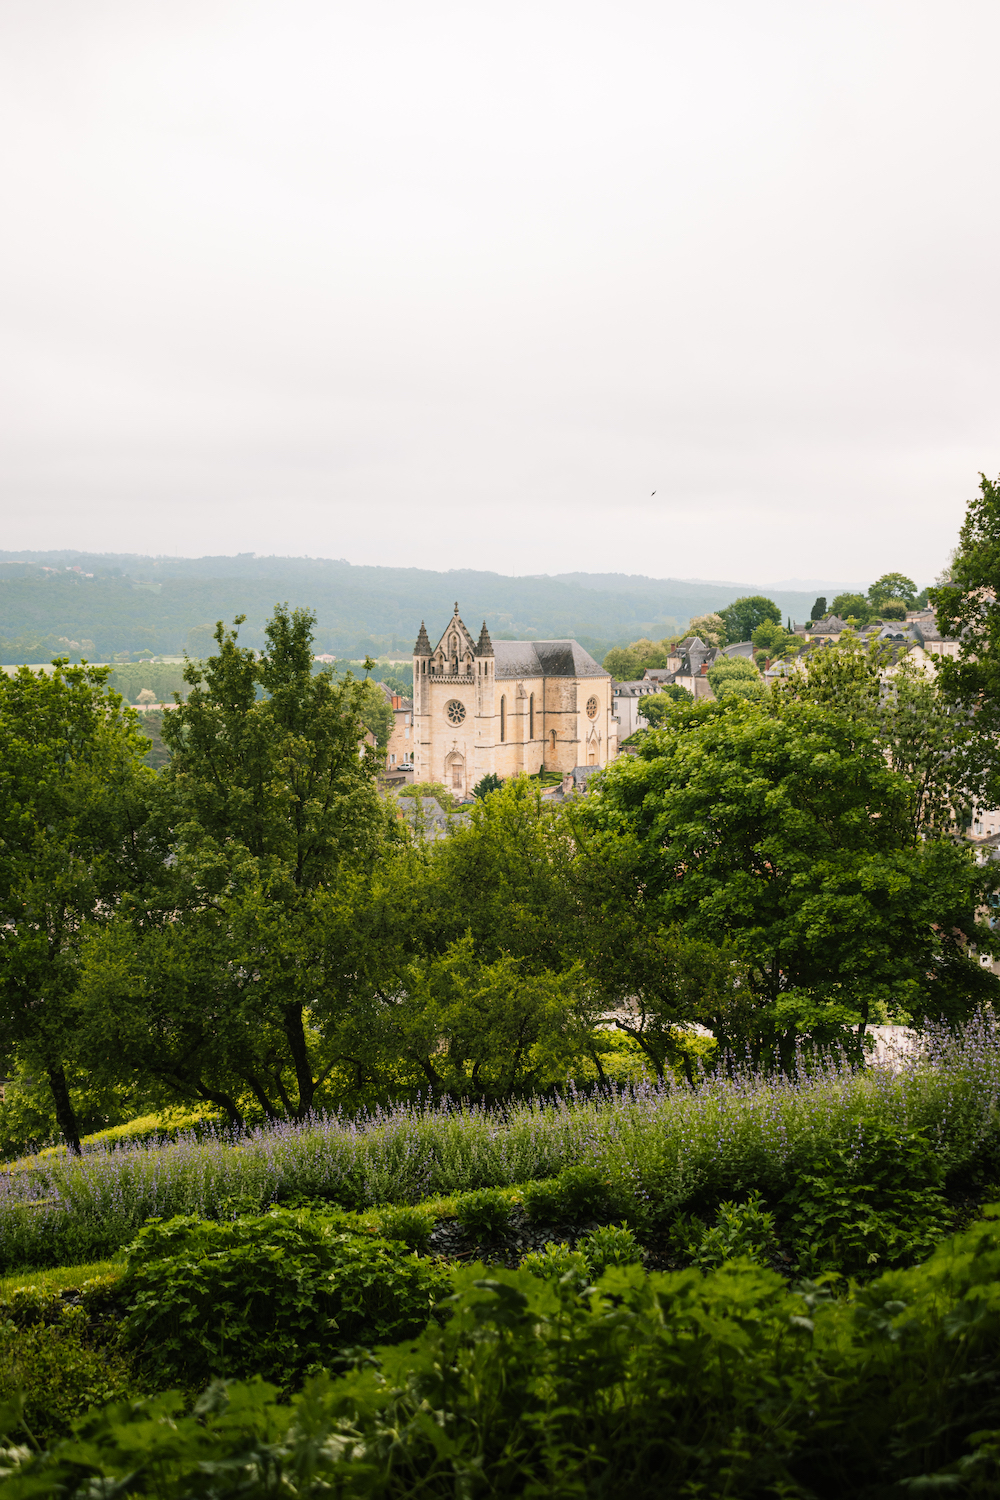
[(216, 1096), (294, 1031), (65, 1113)]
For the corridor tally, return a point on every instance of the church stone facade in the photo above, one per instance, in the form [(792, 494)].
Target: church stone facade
[(512, 706)]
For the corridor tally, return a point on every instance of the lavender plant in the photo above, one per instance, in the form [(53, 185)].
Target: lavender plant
[(667, 1148)]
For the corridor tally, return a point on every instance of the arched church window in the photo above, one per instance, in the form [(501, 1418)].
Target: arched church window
[(455, 711), (531, 717), (553, 741), (503, 717), (592, 706)]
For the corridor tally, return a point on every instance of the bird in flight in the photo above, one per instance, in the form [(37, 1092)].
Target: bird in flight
[(651, 496)]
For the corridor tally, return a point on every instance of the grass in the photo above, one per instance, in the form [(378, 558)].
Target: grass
[(666, 1148), (58, 1278)]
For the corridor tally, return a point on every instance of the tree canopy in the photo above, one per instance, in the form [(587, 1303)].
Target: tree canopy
[(742, 617)]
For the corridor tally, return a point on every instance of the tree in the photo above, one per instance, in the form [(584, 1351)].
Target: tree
[(257, 971), (736, 677), (742, 617), (656, 706), (376, 713), (851, 607), (486, 784), (623, 664), (967, 602), (709, 628), (818, 609), (892, 587), (782, 832), (74, 838), (775, 641), (924, 738)]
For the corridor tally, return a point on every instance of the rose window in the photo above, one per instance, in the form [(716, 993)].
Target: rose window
[(455, 711), (592, 708)]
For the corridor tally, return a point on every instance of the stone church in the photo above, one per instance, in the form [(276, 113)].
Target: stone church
[(512, 706)]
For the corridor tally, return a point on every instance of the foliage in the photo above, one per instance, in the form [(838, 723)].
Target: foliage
[(275, 1296), (659, 1148), (783, 832), (557, 1262), (609, 1245), (736, 677), (74, 838), (710, 628), (890, 588), (376, 714), (742, 618), (254, 976), (646, 1385), (925, 739), (655, 707), (52, 1368), (852, 607), (484, 1213), (411, 1225), (873, 1201), (968, 609), (741, 1230), (487, 784), (579, 1193), (775, 641), (818, 611)]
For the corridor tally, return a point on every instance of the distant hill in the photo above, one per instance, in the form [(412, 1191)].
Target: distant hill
[(165, 604)]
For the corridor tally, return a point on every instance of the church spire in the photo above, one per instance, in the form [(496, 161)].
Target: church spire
[(423, 646), (485, 647)]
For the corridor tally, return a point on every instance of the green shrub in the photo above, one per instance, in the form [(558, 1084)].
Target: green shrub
[(52, 1366), (579, 1193), (556, 1261), (724, 1384), (275, 1296), (485, 1213), (609, 1245), (411, 1225), (870, 1204), (740, 1229)]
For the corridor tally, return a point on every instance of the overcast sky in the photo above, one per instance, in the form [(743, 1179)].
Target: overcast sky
[(462, 284)]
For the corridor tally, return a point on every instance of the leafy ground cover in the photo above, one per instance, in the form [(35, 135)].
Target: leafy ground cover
[(542, 1382), (661, 1150)]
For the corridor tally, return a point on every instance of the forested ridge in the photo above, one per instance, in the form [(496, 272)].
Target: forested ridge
[(133, 603)]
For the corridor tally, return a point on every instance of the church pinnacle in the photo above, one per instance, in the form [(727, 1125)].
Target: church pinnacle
[(485, 646), (423, 646)]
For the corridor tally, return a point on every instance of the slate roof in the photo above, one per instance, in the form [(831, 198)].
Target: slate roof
[(544, 659)]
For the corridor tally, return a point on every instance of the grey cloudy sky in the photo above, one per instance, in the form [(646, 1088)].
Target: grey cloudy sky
[(461, 284)]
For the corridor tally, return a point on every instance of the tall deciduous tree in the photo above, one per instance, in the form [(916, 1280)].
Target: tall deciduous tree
[(967, 602), (743, 616), (783, 832), (74, 838), (254, 975)]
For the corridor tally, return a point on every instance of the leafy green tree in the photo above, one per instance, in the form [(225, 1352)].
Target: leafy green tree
[(376, 714), (923, 737), (742, 617), (774, 640), (74, 839), (782, 831), (656, 706), (967, 603), (623, 664), (892, 587), (249, 981), (852, 607), (818, 609), (736, 677), (487, 784), (709, 628)]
